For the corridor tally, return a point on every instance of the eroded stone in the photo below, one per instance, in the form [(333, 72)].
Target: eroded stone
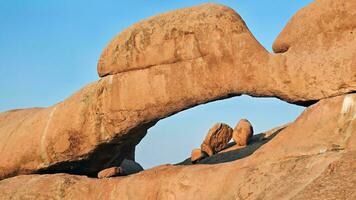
[(216, 139), (290, 166), (102, 123), (242, 133)]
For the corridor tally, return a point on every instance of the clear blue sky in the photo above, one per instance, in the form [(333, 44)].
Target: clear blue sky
[(49, 50)]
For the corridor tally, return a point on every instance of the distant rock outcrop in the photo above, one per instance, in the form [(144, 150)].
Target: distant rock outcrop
[(216, 139), (242, 133), (178, 60)]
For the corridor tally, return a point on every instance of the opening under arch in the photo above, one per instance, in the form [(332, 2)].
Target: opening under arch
[(172, 139)]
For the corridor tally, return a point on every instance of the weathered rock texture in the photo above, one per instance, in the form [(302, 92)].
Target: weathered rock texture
[(206, 53), (242, 133), (81, 135), (190, 36), (216, 35), (318, 49), (313, 158), (216, 139)]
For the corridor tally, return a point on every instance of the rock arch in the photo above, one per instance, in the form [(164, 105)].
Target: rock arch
[(170, 63)]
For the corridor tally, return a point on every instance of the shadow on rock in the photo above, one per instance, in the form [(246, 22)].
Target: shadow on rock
[(234, 152)]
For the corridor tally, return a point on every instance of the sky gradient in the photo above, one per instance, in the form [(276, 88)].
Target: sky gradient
[(50, 49)]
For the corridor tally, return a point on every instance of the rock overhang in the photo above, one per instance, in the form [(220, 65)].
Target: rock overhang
[(115, 112)]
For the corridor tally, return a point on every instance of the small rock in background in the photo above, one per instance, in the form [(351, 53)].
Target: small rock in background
[(217, 138), (197, 154), (110, 172), (127, 167), (242, 133)]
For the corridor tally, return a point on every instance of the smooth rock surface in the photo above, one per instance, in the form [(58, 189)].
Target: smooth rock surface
[(183, 36), (312, 158), (213, 34), (80, 135), (100, 125), (317, 47), (242, 133)]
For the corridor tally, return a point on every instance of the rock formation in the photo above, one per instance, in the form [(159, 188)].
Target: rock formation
[(216, 139), (109, 117), (313, 158), (208, 54), (242, 133), (219, 136), (317, 44)]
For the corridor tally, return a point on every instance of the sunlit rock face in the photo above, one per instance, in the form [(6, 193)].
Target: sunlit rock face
[(216, 139), (242, 133), (170, 63), (318, 48), (312, 158), (100, 125), (204, 32)]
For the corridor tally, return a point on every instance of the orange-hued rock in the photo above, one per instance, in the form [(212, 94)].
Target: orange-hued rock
[(242, 133), (78, 135), (211, 36), (214, 57), (189, 35), (197, 154), (110, 172), (317, 46), (309, 159), (216, 139), (126, 167)]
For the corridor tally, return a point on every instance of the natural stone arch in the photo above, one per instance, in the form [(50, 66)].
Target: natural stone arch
[(105, 120)]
